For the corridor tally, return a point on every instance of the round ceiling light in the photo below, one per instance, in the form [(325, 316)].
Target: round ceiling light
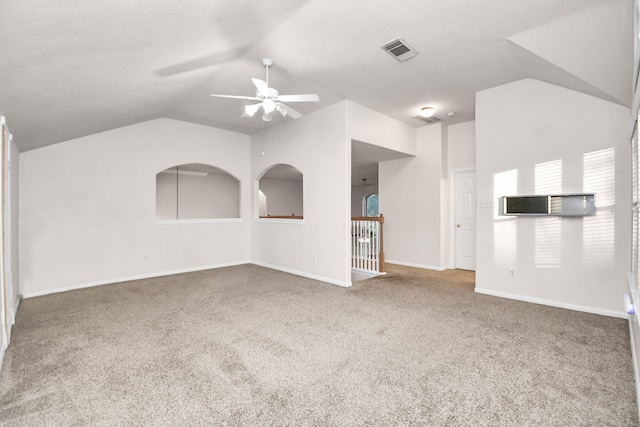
[(427, 111)]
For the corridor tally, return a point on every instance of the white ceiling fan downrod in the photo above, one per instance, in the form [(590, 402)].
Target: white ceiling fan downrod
[(267, 63), (268, 104)]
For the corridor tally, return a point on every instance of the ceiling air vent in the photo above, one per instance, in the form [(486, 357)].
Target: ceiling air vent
[(399, 49), (429, 120)]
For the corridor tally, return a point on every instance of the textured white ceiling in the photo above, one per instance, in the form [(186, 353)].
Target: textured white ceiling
[(76, 67)]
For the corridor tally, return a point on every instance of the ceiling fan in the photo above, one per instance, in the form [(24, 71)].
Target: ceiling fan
[(270, 99)]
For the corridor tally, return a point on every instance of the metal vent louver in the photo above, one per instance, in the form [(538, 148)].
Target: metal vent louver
[(430, 120), (399, 49)]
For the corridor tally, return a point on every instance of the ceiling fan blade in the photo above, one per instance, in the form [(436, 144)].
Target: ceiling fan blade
[(262, 87), (252, 98), (202, 62), (285, 110), (309, 97), (250, 110), (282, 109)]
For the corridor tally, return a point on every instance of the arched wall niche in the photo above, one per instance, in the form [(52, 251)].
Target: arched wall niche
[(280, 192), (196, 191)]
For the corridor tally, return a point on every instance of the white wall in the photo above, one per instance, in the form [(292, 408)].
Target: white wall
[(358, 194), (521, 126), (318, 246), (462, 145), (166, 194), (369, 126), (283, 197), (633, 121), (410, 192), (15, 221), (87, 206)]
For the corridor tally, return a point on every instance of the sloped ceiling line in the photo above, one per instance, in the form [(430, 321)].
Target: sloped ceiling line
[(591, 45)]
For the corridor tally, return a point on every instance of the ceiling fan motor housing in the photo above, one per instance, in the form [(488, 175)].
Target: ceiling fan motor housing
[(273, 94)]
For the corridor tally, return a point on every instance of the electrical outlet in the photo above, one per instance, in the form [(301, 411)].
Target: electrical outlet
[(511, 272), (146, 257)]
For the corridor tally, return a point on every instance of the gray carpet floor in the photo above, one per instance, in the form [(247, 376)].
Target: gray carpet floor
[(249, 346)]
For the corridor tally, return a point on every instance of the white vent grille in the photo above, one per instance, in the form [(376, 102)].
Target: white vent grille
[(430, 120), (399, 49)]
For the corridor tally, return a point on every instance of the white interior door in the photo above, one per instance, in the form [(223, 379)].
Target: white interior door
[(465, 219)]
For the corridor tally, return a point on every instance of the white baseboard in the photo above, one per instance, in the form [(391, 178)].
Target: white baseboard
[(412, 264), (185, 270), (552, 303), (303, 274), (636, 367), (16, 304), (367, 272), (130, 278), (2, 350)]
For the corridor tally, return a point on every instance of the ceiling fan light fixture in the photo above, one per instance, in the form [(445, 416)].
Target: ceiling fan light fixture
[(266, 117), (282, 110), (250, 110), (427, 111), (268, 105)]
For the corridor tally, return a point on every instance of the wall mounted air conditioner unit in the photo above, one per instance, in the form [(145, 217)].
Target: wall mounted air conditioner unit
[(581, 204)]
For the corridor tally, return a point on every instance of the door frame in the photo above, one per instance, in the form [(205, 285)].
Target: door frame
[(5, 292), (452, 212), (7, 297), (7, 236)]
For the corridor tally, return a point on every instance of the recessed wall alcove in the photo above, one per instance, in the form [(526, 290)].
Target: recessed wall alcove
[(280, 192), (196, 191)]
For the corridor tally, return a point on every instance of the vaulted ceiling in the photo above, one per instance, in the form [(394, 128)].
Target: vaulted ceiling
[(76, 67)]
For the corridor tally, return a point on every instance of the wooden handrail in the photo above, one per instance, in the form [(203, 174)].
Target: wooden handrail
[(379, 219), (283, 216)]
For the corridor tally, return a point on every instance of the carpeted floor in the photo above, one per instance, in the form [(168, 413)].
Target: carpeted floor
[(249, 346)]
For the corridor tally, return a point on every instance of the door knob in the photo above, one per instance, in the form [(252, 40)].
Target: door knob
[(458, 225)]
